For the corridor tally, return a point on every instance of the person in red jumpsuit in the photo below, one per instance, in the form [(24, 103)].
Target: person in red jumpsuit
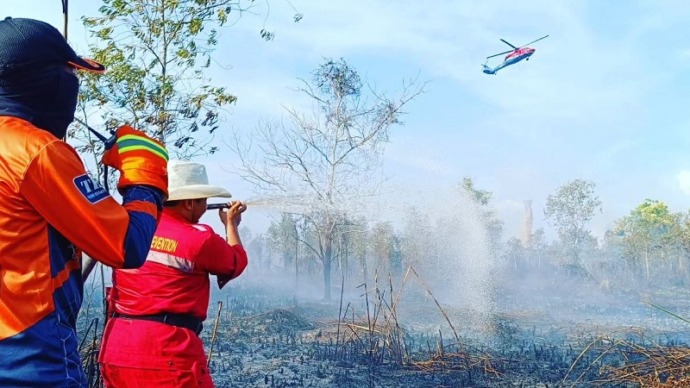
[(152, 338), (51, 210)]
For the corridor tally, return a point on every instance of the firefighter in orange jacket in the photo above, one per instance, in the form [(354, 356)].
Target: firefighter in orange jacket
[(153, 335), (51, 210)]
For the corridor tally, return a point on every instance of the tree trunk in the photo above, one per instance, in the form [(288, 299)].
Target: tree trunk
[(294, 297), (327, 257), (327, 260)]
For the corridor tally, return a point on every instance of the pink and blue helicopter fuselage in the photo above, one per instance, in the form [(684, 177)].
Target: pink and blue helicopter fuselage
[(511, 59)]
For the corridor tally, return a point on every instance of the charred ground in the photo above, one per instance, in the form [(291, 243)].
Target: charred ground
[(375, 336)]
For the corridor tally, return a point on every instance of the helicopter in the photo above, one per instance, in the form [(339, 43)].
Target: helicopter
[(514, 56)]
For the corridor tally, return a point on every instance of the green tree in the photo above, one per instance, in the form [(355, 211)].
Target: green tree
[(514, 254), (482, 198), (256, 247), (417, 238), (283, 238), (538, 249), (650, 233), (331, 155), (157, 53), (351, 246), (385, 248), (684, 245), (570, 210)]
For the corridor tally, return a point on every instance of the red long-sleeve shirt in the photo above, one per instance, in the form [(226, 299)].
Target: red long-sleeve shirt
[(175, 277)]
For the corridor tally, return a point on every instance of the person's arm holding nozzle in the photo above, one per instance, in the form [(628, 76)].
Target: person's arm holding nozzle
[(234, 215), (231, 220), (225, 257)]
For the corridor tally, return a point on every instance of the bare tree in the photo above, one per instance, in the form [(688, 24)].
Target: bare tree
[(330, 156)]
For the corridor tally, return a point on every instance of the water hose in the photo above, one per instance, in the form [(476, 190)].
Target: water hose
[(88, 263)]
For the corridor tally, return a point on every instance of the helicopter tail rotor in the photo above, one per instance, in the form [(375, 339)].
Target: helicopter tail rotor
[(487, 69)]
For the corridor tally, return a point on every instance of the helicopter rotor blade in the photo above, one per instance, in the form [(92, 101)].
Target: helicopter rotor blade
[(545, 36), (495, 55), (506, 42)]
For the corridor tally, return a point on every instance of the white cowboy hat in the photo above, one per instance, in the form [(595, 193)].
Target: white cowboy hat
[(188, 180)]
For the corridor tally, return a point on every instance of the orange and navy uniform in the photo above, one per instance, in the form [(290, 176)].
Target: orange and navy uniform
[(52, 211), (174, 279)]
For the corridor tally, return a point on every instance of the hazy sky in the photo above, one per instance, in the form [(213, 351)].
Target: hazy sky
[(604, 98)]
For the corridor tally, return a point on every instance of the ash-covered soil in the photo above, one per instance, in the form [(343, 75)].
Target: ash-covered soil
[(264, 340)]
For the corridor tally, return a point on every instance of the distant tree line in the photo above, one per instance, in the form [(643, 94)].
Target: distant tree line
[(649, 246)]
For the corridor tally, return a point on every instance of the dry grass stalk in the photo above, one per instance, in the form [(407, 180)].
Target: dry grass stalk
[(596, 341), (656, 367), (457, 361), (388, 336), (428, 290), (215, 331)]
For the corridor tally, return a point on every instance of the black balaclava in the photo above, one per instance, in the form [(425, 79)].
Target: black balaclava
[(46, 97)]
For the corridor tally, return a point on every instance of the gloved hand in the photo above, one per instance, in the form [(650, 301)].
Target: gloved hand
[(140, 159)]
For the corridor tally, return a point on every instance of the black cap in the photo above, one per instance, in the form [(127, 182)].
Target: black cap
[(25, 43)]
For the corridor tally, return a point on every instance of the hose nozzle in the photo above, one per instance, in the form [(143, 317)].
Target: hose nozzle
[(107, 142), (217, 206)]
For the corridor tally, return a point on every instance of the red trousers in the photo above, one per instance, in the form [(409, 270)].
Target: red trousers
[(137, 353), (119, 376)]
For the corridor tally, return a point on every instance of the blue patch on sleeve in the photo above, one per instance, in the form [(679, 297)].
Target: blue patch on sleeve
[(90, 189)]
